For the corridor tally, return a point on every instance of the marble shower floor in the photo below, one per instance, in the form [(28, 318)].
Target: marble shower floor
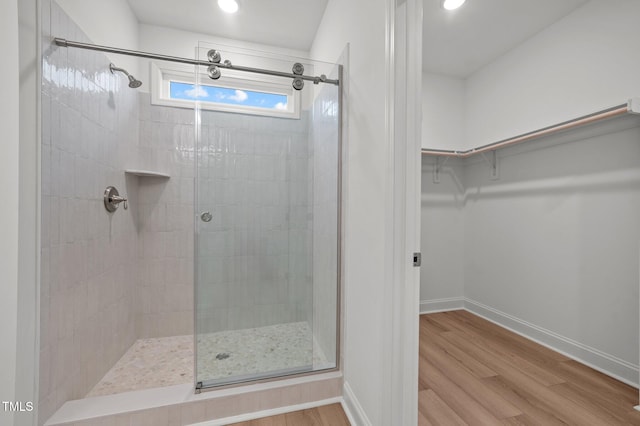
[(167, 361)]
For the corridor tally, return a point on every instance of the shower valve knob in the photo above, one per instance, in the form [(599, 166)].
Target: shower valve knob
[(206, 217), (112, 199)]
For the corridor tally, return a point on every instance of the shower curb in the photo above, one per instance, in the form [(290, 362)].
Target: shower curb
[(179, 405)]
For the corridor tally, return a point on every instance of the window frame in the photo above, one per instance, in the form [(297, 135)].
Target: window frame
[(163, 75)]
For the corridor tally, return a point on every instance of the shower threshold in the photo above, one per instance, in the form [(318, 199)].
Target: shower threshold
[(243, 378)]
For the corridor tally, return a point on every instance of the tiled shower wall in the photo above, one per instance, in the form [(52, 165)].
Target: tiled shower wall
[(165, 216), (88, 266), (255, 254)]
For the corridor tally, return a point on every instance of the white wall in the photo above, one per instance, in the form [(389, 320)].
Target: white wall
[(17, 222), (9, 217), (585, 62), (362, 24), (170, 41), (443, 110), (109, 23), (442, 235), (27, 355)]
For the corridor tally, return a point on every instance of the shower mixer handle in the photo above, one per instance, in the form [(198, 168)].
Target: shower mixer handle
[(116, 199)]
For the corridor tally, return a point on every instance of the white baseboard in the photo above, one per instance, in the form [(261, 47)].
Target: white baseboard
[(352, 407), (441, 305), (605, 363)]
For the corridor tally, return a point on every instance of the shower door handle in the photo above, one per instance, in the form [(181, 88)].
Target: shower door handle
[(206, 217)]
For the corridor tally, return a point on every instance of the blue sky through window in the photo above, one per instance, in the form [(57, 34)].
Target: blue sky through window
[(224, 95)]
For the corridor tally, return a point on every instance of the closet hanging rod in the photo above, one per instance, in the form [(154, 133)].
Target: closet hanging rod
[(68, 43), (631, 107)]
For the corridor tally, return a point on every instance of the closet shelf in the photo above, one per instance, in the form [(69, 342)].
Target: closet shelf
[(146, 173), (631, 107)]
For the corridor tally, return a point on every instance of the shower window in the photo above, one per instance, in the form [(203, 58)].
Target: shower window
[(176, 86), (229, 96)]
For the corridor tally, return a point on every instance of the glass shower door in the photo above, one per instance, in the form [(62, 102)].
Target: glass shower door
[(260, 257)]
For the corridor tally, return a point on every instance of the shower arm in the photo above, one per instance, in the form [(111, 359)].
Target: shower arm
[(68, 43)]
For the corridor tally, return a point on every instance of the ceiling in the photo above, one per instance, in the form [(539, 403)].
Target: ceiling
[(284, 23), (458, 43), (455, 43)]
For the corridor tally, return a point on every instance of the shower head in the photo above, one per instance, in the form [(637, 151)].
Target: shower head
[(133, 82)]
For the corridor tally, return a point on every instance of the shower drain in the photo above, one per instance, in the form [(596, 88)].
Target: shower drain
[(222, 355)]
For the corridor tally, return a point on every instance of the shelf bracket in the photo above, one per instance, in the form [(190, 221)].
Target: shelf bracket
[(492, 161), (440, 162)]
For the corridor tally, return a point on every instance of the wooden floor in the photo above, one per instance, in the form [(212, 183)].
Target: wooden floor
[(327, 415), (474, 372)]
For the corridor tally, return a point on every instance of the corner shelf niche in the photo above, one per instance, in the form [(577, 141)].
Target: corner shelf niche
[(146, 173)]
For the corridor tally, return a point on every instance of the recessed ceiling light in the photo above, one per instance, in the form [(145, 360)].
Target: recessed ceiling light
[(229, 6), (452, 4)]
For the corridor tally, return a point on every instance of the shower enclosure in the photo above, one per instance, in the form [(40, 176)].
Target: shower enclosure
[(216, 243), (267, 244)]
